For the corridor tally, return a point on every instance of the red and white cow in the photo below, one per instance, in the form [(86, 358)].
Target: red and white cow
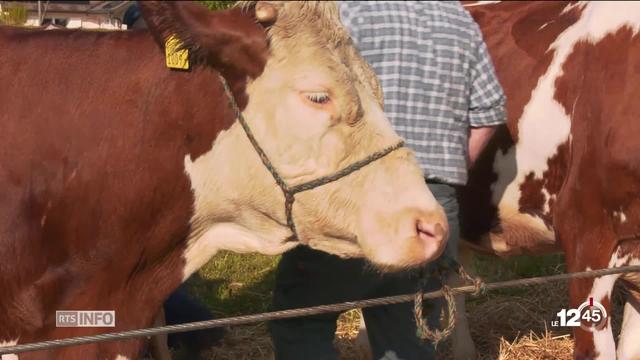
[(564, 175)]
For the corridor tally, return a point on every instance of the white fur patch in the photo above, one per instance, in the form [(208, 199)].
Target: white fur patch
[(544, 124), (544, 25), (222, 236), (229, 236), (600, 18), (629, 344), (9, 356), (601, 288), (603, 285), (603, 342), (547, 197), (620, 216), (509, 202), (121, 357)]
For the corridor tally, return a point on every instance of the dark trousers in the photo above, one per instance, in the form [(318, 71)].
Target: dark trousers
[(308, 277)]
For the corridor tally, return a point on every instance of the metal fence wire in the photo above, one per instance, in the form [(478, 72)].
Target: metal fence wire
[(314, 310)]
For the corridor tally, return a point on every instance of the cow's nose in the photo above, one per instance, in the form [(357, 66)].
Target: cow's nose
[(433, 235)]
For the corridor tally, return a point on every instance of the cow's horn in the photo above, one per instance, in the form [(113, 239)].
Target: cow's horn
[(266, 12)]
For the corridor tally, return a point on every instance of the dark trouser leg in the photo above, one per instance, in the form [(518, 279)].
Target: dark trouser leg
[(392, 329), (308, 277), (180, 308), (304, 338)]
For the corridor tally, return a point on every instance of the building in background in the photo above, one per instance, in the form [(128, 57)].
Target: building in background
[(73, 14)]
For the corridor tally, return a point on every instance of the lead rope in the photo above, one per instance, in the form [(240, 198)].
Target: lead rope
[(289, 193), (445, 265), (288, 196)]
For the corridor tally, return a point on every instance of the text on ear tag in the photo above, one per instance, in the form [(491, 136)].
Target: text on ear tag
[(176, 59)]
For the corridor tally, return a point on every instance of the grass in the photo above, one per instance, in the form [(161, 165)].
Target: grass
[(491, 269), (235, 284), (518, 266)]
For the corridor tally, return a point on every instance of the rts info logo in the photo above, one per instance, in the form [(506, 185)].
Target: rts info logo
[(590, 316)]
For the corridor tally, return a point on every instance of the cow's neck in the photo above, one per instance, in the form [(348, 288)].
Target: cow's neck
[(234, 203)]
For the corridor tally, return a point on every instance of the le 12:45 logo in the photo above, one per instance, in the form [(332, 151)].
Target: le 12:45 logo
[(590, 316)]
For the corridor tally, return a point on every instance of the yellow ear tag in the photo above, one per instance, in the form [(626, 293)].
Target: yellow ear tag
[(176, 59)]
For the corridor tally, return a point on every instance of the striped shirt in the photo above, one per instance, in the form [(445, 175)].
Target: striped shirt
[(436, 74)]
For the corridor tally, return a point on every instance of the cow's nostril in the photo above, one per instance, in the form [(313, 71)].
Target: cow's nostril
[(423, 228), (429, 229)]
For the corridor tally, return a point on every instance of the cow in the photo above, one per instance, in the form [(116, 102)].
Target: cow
[(564, 174), (121, 177)]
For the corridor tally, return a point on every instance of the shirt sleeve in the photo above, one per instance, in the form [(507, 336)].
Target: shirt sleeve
[(487, 100)]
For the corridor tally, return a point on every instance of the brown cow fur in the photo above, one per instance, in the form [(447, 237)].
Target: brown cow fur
[(76, 177)]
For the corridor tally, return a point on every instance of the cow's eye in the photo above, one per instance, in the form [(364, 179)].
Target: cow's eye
[(318, 98)]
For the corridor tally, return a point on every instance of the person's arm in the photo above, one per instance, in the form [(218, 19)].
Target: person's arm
[(478, 140), (486, 102)]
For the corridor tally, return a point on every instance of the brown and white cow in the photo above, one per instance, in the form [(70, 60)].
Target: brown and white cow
[(119, 177), (564, 175)]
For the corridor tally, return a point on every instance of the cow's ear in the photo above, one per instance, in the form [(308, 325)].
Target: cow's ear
[(232, 41)]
